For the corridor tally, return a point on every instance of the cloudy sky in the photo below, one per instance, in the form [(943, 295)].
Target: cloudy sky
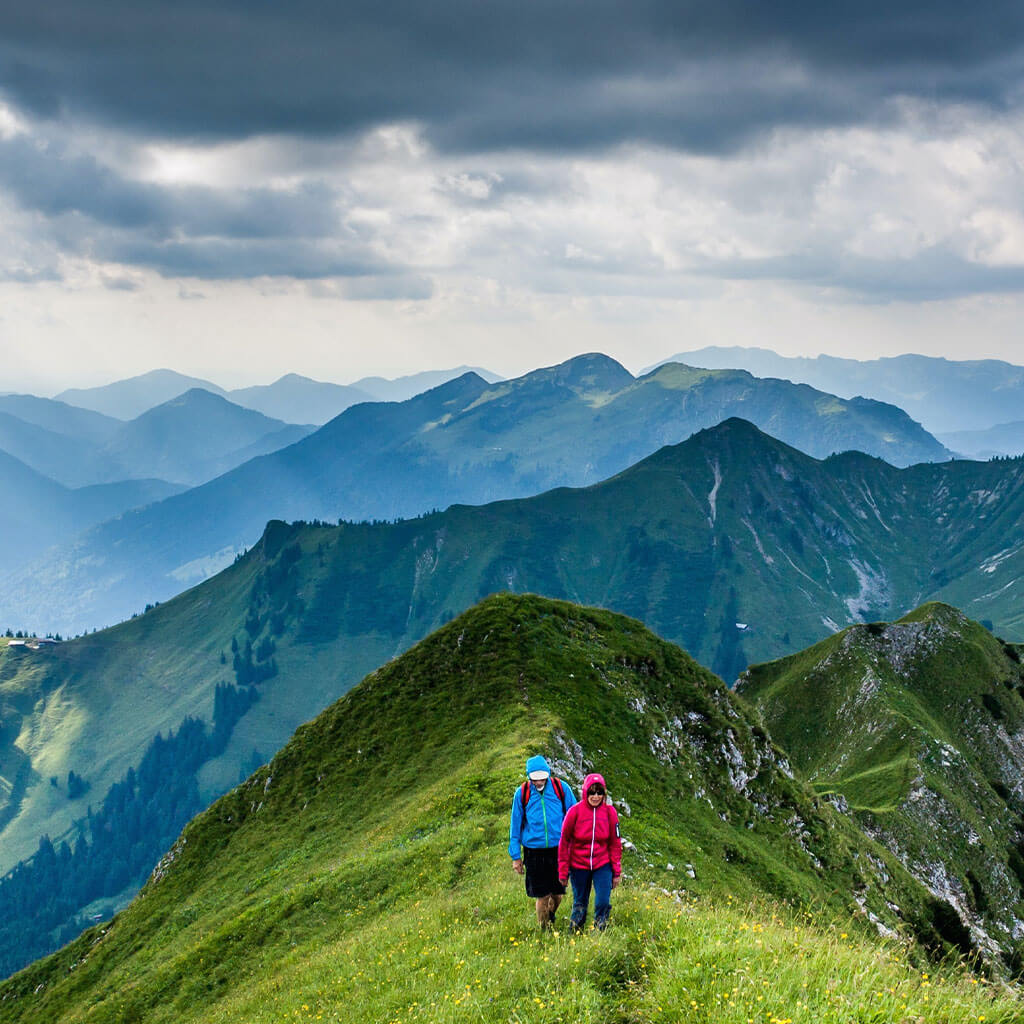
[(239, 190)]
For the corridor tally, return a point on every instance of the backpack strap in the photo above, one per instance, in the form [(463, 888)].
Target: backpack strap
[(524, 795), (560, 790)]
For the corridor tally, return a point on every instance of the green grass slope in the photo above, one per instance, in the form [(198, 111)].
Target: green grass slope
[(919, 725), (363, 875), (92, 705)]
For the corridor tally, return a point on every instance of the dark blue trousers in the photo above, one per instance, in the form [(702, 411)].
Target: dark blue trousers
[(582, 881)]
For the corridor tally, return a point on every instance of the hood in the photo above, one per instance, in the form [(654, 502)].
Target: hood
[(588, 782), (537, 763)]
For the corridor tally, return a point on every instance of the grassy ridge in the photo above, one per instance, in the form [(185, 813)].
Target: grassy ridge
[(914, 723), (456, 942), (363, 875)]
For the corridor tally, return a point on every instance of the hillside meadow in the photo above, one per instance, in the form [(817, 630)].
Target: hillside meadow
[(363, 874)]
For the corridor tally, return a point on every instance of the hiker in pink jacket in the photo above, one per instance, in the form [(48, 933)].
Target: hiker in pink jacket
[(590, 853)]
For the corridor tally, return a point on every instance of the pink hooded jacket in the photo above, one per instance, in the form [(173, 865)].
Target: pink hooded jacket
[(590, 835)]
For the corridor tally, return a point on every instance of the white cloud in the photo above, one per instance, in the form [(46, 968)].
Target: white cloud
[(510, 258)]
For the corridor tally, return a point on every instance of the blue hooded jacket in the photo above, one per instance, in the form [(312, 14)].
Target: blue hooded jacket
[(542, 827)]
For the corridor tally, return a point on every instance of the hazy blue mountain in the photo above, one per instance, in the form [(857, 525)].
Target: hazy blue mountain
[(400, 389), (287, 435), (292, 398), (58, 440), (126, 399), (1003, 439), (37, 512), (188, 440), (195, 437), (296, 399), (942, 394), (72, 461), (466, 441), (60, 418)]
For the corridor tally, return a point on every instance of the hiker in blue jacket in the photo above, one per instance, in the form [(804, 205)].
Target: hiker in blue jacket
[(538, 807)]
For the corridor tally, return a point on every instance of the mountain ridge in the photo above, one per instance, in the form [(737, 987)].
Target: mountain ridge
[(196, 436), (126, 399), (918, 724), (466, 441), (37, 511), (945, 395), (297, 399), (443, 731)]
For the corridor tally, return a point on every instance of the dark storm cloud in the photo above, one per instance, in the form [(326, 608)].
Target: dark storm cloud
[(45, 178), (540, 73), (227, 259), (189, 231)]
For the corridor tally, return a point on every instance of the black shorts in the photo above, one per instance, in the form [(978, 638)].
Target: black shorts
[(542, 872)]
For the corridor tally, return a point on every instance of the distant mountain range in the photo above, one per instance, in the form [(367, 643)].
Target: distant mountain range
[(945, 396), (186, 441), (296, 399), (1002, 439), (292, 398), (196, 437), (126, 399), (402, 388), (59, 417), (37, 512), (466, 441)]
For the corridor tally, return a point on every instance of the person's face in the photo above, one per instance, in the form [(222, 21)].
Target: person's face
[(539, 784), (595, 796)]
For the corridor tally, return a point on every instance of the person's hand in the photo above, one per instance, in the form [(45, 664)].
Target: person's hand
[(615, 881), (517, 865), (563, 882)]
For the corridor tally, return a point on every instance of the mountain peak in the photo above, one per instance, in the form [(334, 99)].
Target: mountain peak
[(127, 399), (591, 372), (202, 401), (739, 435)]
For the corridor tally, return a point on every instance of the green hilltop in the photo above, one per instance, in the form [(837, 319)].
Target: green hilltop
[(917, 725), (363, 874)]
